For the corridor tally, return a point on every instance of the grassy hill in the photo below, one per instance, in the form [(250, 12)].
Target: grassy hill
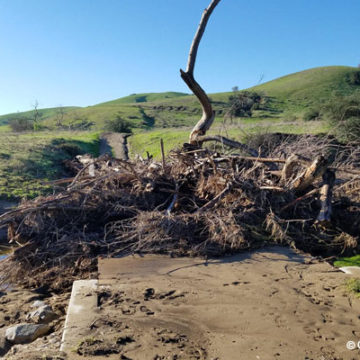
[(294, 94), (141, 98), (44, 113), (310, 87)]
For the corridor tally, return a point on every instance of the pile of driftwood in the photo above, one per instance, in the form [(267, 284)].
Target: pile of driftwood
[(303, 191)]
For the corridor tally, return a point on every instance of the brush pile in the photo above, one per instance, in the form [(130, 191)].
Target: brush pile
[(303, 191)]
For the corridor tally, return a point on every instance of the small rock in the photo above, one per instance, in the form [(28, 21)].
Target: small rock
[(4, 344), (37, 304), (42, 315), (26, 333)]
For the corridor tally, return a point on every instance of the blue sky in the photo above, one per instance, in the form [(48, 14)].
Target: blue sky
[(82, 52)]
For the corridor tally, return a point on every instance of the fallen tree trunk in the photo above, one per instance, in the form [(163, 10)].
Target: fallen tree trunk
[(307, 177)]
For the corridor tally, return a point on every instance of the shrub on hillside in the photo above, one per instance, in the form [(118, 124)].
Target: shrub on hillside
[(20, 124), (80, 124), (118, 125), (243, 103), (311, 114), (344, 116), (354, 78)]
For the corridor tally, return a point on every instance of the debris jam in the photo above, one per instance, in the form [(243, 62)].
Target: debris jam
[(301, 190)]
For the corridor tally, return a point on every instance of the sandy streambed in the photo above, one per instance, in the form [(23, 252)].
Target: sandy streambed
[(268, 304)]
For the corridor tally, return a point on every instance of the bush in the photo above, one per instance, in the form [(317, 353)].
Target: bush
[(311, 114), (80, 124), (344, 115), (118, 125), (243, 103), (354, 78), (21, 124)]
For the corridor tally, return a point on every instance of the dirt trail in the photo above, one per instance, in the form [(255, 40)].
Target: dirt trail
[(114, 144)]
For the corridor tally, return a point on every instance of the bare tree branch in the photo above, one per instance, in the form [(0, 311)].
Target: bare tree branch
[(228, 142), (197, 135), (199, 33)]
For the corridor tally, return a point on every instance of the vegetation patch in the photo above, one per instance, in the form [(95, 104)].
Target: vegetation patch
[(353, 287), (348, 261), (29, 160)]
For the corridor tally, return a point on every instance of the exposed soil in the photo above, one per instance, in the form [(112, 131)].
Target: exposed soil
[(269, 304), (114, 144)]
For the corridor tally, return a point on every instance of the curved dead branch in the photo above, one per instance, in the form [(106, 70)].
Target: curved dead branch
[(197, 135)]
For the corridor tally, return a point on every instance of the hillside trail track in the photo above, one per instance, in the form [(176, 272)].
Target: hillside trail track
[(114, 144)]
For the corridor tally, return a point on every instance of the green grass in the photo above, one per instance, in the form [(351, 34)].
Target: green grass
[(4, 128), (45, 113), (353, 287), (173, 138), (298, 91), (348, 261), (29, 159), (150, 141), (141, 98), (288, 97)]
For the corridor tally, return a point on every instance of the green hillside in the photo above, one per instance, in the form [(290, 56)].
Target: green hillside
[(44, 113), (141, 98), (310, 87), (292, 94)]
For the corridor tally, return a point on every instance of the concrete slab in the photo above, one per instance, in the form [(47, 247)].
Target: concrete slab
[(82, 311), (258, 304)]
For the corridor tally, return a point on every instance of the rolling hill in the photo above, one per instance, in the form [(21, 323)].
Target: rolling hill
[(293, 93), (45, 113)]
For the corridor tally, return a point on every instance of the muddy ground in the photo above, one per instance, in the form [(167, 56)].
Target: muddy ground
[(268, 304)]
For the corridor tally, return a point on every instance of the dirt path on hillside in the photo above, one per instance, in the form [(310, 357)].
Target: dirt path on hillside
[(114, 144)]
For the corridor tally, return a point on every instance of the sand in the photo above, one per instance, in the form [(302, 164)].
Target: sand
[(268, 304)]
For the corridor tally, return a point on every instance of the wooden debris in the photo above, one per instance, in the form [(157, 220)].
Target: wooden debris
[(205, 203), (324, 217)]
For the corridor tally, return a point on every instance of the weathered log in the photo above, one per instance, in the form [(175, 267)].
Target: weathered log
[(291, 162), (288, 169), (324, 217), (308, 176)]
